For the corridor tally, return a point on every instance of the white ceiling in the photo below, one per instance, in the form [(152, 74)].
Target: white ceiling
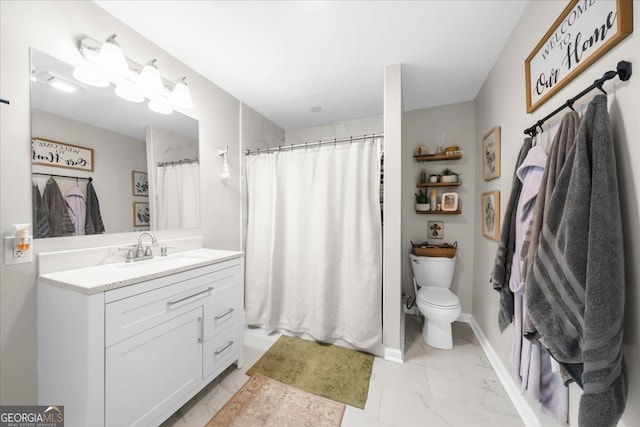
[(284, 57)]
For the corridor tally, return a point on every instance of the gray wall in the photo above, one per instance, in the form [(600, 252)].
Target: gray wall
[(501, 101)]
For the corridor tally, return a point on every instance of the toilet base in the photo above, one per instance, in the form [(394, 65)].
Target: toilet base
[(437, 334)]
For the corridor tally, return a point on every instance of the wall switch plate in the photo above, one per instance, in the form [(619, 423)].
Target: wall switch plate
[(14, 256)]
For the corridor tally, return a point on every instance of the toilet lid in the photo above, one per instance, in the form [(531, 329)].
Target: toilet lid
[(439, 297)]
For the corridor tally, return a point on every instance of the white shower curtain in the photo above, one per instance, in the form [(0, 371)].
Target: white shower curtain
[(314, 242), (178, 202)]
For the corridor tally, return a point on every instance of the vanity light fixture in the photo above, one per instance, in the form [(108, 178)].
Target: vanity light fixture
[(181, 96), (105, 63), (111, 59), (150, 80)]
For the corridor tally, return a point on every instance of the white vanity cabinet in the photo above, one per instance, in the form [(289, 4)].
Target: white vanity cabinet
[(134, 355)]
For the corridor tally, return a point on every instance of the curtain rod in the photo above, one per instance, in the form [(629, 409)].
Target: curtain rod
[(53, 175), (313, 144), (177, 162), (623, 71)]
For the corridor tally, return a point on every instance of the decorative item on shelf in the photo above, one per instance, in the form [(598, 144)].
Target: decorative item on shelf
[(433, 177), (423, 177), (440, 150), (421, 150), (449, 202), (452, 149), (426, 249), (447, 175), (434, 200), (421, 202)]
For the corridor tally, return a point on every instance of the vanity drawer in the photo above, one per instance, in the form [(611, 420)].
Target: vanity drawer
[(222, 349), (225, 308), (130, 316)]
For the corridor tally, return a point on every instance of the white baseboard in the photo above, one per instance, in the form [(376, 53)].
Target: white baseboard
[(522, 406), (393, 355)]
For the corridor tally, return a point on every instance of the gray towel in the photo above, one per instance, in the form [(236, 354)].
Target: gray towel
[(562, 143), (57, 209), (504, 256), (575, 289), (40, 215), (93, 219)]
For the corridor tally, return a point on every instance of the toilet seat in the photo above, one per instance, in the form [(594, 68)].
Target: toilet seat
[(437, 297)]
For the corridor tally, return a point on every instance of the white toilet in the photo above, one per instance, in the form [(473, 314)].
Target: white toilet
[(440, 307)]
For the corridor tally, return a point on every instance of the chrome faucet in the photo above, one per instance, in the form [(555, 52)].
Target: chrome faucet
[(143, 252)]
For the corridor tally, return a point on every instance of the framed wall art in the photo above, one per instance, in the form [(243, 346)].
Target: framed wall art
[(435, 230), (584, 32), (491, 215), (139, 183), (450, 202), (58, 154), (491, 154), (141, 215)]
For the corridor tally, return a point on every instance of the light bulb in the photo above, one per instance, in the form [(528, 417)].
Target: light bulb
[(150, 80), (111, 60), (181, 96)]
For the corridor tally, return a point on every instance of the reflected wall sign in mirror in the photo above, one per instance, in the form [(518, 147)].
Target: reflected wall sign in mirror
[(123, 136)]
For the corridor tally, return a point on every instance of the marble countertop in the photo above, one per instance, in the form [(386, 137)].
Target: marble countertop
[(105, 277)]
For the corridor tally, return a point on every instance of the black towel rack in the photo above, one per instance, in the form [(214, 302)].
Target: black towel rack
[(53, 175), (623, 71), (4, 101)]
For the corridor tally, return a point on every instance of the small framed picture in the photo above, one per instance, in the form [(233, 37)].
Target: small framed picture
[(491, 154), (141, 215), (450, 202), (139, 183), (491, 215), (435, 229)]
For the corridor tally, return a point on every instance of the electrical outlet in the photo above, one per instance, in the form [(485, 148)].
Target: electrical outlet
[(15, 256)]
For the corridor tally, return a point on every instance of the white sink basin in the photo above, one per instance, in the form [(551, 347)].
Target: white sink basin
[(163, 261)]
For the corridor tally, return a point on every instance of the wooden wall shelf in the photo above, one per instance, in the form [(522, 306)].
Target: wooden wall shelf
[(437, 157), (458, 212), (438, 184)]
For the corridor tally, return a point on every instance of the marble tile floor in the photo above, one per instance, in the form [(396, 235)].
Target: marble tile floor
[(432, 388)]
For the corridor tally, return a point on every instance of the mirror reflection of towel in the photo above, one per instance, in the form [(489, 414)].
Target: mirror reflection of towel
[(57, 209), (40, 216), (93, 219)]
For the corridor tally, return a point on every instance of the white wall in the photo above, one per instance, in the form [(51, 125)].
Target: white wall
[(431, 127), (55, 28), (338, 130), (501, 101)]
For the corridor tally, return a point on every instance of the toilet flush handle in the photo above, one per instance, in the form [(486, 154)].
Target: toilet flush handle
[(416, 261)]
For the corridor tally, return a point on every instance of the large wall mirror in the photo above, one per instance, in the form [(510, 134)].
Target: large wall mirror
[(140, 166)]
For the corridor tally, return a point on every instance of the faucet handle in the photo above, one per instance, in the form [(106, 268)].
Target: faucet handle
[(163, 250), (148, 252)]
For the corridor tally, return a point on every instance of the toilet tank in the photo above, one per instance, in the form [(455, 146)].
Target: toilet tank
[(433, 271)]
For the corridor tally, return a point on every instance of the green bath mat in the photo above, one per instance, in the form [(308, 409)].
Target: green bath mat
[(327, 370)]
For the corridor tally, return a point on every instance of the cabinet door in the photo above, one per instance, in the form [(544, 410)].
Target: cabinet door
[(153, 372)]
